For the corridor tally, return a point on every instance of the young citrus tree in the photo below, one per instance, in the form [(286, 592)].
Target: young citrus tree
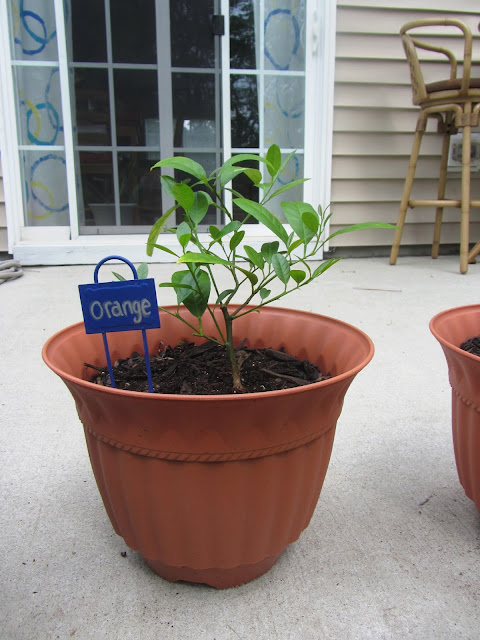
[(285, 259)]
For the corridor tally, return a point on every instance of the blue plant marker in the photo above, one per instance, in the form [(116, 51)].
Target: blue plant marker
[(126, 305)]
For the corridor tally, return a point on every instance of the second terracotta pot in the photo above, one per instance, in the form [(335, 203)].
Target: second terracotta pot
[(451, 328), (212, 489)]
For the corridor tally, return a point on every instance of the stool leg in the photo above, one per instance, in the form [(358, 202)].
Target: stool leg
[(441, 195), (474, 253), (407, 189), (465, 214)]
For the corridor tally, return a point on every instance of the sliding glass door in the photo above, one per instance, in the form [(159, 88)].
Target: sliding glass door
[(104, 88)]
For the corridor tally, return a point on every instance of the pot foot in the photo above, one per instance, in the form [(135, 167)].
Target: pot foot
[(217, 578)]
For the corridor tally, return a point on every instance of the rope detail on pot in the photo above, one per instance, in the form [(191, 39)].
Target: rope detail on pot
[(206, 457), (466, 401)]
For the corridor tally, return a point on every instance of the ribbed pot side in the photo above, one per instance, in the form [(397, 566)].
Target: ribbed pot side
[(212, 489), (451, 328)]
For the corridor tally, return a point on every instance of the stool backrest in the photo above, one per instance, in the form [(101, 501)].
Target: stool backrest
[(412, 44)]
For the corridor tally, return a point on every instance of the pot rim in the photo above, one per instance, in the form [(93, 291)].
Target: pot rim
[(434, 322), (217, 397)]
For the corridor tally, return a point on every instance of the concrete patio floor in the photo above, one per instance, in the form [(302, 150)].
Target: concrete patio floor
[(393, 548)]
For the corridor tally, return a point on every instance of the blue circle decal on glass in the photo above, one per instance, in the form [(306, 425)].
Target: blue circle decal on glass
[(273, 17)]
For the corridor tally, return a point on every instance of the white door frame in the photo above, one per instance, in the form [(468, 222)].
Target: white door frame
[(63, 245)]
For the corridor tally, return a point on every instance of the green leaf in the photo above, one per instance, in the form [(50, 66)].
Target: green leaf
[(230, 227), (326, 217), (361, 226), (199, 209), (224, 294), (268, 250), (187, 165), (311, 221), (118, 276), (265, 186), (254, 257), (184, 195), (264, 293), (281, 267), (230, 172), (196, 300), (183, 283), (260, 213), (305, 228), (248, 274), (167, 185), (176, 285), (254, 174), (166, 249), (142, 271), (295, 244), (287, 187), (274, 159), (242, 157), (184, 233), (233, 225), (156, 230), (324, 266), (218, 234), (202, 258), (214, 232), (236, 239), (298, 275), (286, 161), (227, 174)]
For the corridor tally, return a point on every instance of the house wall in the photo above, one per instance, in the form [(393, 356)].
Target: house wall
[(374, 123)]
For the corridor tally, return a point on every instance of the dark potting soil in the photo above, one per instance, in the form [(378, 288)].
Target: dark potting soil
[(472, 345), (205, 370)]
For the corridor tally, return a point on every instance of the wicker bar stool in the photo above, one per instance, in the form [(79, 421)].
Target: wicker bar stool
[(455, 104)]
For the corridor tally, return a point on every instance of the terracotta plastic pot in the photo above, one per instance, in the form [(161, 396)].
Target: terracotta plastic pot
[(451, 328), (212, 489)]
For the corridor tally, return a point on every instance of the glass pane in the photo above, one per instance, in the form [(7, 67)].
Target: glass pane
[(136, 101), (242, 34), (191, 35), (284, 111), (40, 107), (284, 35), (194, 110), (96, 172), (195, 133), (45, 181), (133, 31), (92, 107), (244, 112), (88, 31), (140, 191), (293, 171), (34, 30)]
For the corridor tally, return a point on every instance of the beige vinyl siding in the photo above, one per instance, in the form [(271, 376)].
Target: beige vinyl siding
[(374, 122), (3, 217)]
